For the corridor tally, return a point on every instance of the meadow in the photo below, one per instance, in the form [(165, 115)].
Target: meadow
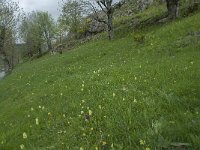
[(108, 95)]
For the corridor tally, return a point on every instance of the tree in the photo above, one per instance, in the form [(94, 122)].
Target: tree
[(61, 31), (108, 7), (72, 15), (172, 7), (47, 27), (32, 34), (8, 17), (38, 30)]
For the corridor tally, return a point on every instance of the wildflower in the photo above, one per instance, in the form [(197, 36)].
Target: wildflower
[(49, 113), (25, 135), (104, 143), (83, 85), (172, 122), (135, 101), (124, 99), (59, 132), (37, 121), (22, 146), (82, 89), (92, 129), (142, 142), (114, 94), (81, 148), (83, 101), (29, 116), (96, 148), (100, 107), (39, 107), (84, 134), (61, 94), (32, 109), (42, 107), (90, 112), (135, 78), (82, 112), (147, 148)]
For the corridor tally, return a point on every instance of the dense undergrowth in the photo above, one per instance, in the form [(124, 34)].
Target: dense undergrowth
[(120, 94)]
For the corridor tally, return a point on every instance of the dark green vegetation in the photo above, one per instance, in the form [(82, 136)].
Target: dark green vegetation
[(136, 92)]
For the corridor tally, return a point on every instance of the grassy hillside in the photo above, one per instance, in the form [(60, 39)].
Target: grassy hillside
[(119, 94)]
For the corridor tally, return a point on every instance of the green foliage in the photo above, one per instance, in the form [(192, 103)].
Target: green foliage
[(38, 30), (72, 15), (189, 9), (9, 15), (108, 95), (139, 38)]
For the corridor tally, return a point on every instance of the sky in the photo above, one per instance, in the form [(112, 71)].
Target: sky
[(52, 6)]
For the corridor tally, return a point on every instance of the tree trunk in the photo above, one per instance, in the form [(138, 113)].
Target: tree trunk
[(30, 53), (49, 45), (110, 25), (48, 40), (172, 7), (39, 50), (7, 65)]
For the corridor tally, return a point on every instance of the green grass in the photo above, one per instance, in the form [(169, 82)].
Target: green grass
[(137, 92)]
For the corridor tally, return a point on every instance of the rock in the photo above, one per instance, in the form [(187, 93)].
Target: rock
[(96, 27), (143, 4)]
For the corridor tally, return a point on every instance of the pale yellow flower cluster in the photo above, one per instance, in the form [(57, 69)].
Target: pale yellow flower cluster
[(25, 135), (37, 121)]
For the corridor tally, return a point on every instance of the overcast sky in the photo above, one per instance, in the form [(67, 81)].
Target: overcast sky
[(52, 6)]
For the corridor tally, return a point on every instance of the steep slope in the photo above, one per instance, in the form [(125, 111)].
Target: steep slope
[(121, 94)]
